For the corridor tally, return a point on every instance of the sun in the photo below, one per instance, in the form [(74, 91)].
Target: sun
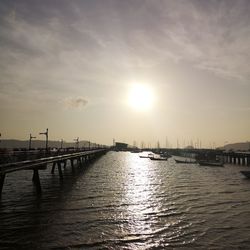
[(141, 97)]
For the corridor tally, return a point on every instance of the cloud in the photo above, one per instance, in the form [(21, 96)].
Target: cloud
[(92, 41), (75, 102)]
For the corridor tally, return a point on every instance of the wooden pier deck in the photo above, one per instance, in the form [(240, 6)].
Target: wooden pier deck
[(58, 161)]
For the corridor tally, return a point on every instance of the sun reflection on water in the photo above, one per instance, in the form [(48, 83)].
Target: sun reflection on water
[(148, 207), (138, 195)]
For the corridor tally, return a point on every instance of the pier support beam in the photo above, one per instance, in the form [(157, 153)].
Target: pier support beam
[(72, 165), (248, 161), (234, 160), (243, 162), (53, 168), (230, 159), (36, 181), (79, 162), (2, 176), (65, 164), (60, 170)]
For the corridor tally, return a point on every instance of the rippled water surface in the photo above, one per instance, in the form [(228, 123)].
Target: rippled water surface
[(122, 201)]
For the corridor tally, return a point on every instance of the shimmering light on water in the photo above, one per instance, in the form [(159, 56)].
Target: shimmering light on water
[(122, 201)]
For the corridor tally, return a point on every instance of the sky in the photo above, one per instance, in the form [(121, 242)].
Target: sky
[(70, 65)]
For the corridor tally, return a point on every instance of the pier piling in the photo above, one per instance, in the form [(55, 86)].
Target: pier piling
[(60, 170), (53, 168), (2, 177), (36, 181)]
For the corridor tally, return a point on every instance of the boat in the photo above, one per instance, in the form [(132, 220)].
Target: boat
[(158, 158), (185, 162), (135, 151), (165, 154), (211, 163), (146, 156), (246, 173)]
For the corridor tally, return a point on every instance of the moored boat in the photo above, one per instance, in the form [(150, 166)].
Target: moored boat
[(158, 158), (246, 173), (146, 156), (185, 162)]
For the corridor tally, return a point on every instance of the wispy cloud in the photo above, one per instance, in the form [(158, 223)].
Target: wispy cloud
[(211, 35), (66, 50), (75, 102), (80, 42)]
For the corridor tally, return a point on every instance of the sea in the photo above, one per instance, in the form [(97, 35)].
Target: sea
[(122, 201)]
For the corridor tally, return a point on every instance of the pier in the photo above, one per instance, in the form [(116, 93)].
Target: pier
[(56, 161), (240, 158), (228, 157)]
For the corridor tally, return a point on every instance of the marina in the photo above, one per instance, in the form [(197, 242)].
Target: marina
[(122, 201)]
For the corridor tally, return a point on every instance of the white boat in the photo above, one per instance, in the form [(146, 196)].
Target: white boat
[(158, 158), (146, 156)]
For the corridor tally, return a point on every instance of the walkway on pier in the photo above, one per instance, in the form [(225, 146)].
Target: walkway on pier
[(58, 161)]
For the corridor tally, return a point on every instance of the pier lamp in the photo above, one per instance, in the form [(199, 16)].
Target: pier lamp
[(31, 137), (77, 142), (47, 138)]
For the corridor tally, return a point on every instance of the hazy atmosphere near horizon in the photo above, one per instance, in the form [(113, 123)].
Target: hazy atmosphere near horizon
[(129, 70)]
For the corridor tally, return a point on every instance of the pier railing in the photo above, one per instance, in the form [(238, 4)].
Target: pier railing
[(10, 155), (22, 165)]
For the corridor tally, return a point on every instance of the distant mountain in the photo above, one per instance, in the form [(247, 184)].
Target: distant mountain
[(39, 144), (245, 146)]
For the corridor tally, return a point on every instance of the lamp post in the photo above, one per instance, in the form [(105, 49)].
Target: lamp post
[(77, 142), (61, 143), (47, 138), (31, 137)]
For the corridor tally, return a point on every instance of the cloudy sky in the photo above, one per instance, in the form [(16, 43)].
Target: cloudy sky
[(70, 65)]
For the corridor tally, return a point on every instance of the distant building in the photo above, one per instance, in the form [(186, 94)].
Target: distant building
[(120, 146)]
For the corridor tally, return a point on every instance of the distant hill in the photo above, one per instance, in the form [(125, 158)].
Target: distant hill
[(39, 144), (237, 146)]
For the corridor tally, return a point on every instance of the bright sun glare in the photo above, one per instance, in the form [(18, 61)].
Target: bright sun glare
[(141, 97)]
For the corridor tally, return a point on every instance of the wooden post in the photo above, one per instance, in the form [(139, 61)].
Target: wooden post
[(60, 170), (72, 164), (53, 168), (36, 181), (79, 161), (234, 160), (2, 176), (65, 164), (248, 161), (243, 160)]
